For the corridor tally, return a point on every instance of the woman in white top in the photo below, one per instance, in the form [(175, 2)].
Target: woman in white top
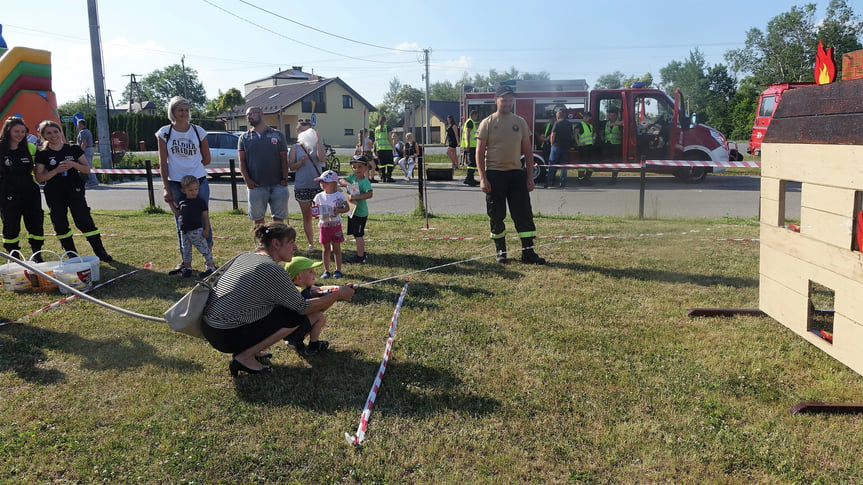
[(183, 150)]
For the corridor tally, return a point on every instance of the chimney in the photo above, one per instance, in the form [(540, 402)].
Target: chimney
[(297, 68)]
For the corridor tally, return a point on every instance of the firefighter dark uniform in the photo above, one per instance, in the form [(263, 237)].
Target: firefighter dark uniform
[(20, 198), (385, 152), (468, 143), (65, 191)]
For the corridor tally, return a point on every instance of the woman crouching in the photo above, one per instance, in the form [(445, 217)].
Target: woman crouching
[(255, 304)]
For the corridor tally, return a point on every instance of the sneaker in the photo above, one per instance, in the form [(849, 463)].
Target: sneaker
[(337, 274), (206, 272), (91, 185), (357, 259), (316, 347), (177, 269), (299, 346), (187, 273), (327, 275), (501, 257), (310, 249), (374, 181), (528, 256)]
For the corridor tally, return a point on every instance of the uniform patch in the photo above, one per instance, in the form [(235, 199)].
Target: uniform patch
[(274, 141), (515, 128)]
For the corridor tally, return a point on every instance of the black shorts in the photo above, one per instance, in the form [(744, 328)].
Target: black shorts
[(357, 226), (306, 195), (236, 340)]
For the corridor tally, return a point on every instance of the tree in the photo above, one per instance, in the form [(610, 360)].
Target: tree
[(225, 101), (786, 52), (617, 80), (707, 89), (444, 91), (85, 104), (162, 84)]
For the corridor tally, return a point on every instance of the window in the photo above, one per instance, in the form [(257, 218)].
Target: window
[(315, 103), (767, 105), (347, 101), (349, 132)]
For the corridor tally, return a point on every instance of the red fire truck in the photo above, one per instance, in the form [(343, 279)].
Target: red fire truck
[(655, 126), (767, 104)]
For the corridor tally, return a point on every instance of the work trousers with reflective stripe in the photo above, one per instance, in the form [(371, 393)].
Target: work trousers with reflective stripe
[(509, 187), (70, 197), (23, 201)]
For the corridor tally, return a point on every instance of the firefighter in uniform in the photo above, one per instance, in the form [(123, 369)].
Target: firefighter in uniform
[(468, 144), (58, 164), (613, 147), (502, 138), (385, 150), (586, 140), (19, 194)]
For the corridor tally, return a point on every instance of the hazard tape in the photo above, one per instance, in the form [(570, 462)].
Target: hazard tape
[(360, 435), (73, 296), (662, 163), (155, 171)]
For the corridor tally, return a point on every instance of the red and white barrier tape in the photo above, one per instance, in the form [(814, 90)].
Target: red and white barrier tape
[(357, 439), (71, 297), (155, 171), (663, 163)]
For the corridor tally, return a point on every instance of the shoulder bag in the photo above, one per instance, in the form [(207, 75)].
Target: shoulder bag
[(187, 314)]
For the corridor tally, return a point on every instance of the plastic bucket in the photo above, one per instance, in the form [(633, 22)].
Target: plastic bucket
[(13, 276), (93, 261), (76, 275), (37, 281)]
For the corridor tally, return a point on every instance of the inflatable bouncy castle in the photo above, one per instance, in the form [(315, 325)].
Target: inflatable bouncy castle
[(25, 85)]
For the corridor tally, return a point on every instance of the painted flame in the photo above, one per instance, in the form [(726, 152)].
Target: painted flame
[(825, 67)]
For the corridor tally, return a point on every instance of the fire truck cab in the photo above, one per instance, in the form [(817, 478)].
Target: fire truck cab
[(655, 127), (767, 104)]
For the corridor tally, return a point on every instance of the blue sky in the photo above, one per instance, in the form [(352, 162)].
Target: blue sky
[(569, 40)]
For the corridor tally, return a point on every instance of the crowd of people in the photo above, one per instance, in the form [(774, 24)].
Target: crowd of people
[(269, 294)]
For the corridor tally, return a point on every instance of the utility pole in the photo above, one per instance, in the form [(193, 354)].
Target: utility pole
[(133, 84), (103, 131), (185, 82), (427, 110)]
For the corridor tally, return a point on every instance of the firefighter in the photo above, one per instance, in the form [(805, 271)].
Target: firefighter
[(58, 164), (502, 138), (19, 194), (468, 144), (385, 150), (613, 135), (585, 133)]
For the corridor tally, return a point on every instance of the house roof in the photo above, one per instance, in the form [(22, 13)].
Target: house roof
[(274, 99), (442, 109), (295, 72)]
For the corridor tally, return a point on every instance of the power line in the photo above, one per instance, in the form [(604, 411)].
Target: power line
[(325, 32), (208, 2)]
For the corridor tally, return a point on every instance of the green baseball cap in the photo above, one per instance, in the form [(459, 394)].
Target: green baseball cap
[(300, 263)]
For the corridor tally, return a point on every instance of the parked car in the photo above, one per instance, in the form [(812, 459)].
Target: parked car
[(223, 147)]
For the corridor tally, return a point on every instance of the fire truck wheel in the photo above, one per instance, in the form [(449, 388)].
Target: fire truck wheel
[(692, 175), (538, 169)]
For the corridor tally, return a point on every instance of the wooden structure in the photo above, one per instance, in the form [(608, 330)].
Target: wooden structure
[(816, 139)]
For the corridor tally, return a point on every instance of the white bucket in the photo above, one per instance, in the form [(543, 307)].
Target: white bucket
[(76, 275), (12, 275), (93, 261), (37, 281)]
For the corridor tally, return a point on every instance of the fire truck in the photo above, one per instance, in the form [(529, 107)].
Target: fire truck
[(767, 104), (655, 125)]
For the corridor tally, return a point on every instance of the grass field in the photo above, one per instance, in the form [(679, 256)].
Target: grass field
[(582, 371)]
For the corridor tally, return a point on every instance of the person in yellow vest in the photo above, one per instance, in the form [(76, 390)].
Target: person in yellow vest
[(613, 135), (585, 138), (385, 150), (468, 144)]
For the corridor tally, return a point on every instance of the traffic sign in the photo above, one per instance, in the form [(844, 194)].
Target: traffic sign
[(66, 119), (314, 120)]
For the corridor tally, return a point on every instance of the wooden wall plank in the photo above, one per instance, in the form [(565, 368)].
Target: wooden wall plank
[(832, 165), (783, 304), (847, 336), (835, 200), (772, 212), (846, 263), (826, 227)]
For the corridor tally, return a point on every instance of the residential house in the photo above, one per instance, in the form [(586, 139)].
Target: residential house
[(143, 107), (338, 112), (415, 120)]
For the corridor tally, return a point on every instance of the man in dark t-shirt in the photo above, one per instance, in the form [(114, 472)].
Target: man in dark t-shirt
[(561, 140)]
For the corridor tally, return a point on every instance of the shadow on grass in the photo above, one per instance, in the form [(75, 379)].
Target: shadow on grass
[(338, 380), (22, 350), (661, 275)]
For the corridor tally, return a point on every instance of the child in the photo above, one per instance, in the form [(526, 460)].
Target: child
[(194, 220), (302, 271), (328, 205), (360, 192)]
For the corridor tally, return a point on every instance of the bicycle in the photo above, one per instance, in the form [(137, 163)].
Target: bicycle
[(332, 161)]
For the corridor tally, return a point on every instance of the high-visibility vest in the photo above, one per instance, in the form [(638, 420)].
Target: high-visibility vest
[(613, 134), (382, 139), (471, 142), (586, 136)]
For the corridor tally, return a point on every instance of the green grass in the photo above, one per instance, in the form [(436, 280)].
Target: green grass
[(582, 371)]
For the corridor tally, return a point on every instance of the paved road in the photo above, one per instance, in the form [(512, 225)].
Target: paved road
[(718, 196)]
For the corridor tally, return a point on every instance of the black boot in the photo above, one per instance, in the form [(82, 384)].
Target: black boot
[(528, 255), (500, 250), (99, 249), (36, 248), (68, 244)]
